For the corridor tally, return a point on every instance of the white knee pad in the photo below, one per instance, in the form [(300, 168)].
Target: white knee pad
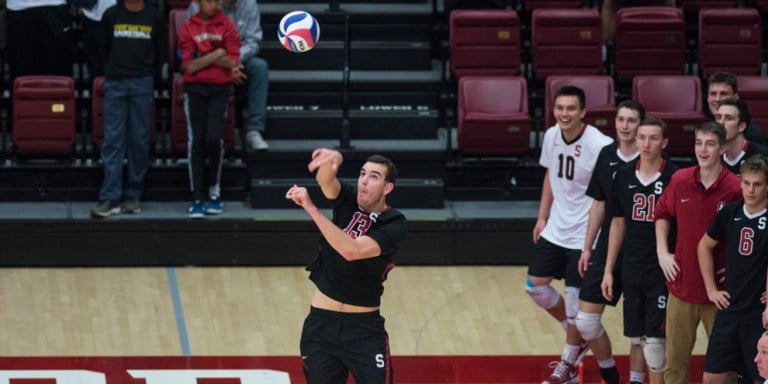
[(655, 354), (589, 325), (571, 297), (636, 341), (543, 295)]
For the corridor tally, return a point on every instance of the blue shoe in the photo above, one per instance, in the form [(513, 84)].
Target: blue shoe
[(196, 210), (214, 205)]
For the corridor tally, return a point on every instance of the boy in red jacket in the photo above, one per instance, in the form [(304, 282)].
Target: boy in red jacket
[(210, 49)]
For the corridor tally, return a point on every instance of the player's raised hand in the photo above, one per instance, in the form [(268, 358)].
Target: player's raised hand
[(323, 156), (299, 196)]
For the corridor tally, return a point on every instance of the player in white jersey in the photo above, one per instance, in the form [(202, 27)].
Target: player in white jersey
[(569, 152)]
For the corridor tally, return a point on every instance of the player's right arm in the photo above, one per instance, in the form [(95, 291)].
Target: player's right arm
[(326, 162), (544, 206), (705, 252), (615, 240), (596, 217)]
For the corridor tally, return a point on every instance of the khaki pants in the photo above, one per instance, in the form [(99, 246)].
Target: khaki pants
[(682, 322)]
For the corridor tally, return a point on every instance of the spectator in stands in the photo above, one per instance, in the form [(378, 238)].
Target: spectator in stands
[(723, 85), (92, 33), (210, 50), (629, 114), (252, 70), (761, 359), (609, 8), (569, 153), (133, 50), (691, 201), (741, 318), (636, 188), (344, 330), (42, 38), (734, 115)]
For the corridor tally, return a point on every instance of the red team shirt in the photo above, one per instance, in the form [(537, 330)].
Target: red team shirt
[(198, 38), (686, 204)]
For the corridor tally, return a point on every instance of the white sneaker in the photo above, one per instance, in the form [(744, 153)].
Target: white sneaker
[(563, 373), (255, 142)]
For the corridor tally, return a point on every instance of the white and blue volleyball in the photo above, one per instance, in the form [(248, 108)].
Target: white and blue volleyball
[(298, 31)]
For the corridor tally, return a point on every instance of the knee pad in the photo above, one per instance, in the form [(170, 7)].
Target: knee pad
[(655, 354), (636, 341), (543, 295), (571, 297), (589, 325)]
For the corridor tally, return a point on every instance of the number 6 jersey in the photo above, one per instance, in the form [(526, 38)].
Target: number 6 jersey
[(570, 166)]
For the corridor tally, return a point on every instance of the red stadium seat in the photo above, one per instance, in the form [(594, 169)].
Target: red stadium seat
[(176, 18), (754, 91), (649, 41), (600, 103), (44, 115), (179, 121), (677, 100), (762, 5), (566, 41), (493, 116), (97, 114), (730, 40), (485, 42), (537, 4)]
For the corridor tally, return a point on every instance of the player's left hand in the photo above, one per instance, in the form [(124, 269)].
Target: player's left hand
[(299, 196), (719, 298), (584, 261)]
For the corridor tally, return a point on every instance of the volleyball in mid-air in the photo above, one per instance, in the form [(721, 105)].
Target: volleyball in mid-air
[(298, 31)]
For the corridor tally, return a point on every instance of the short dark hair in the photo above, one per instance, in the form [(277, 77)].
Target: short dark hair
[(651, 120), (744, 115), (633, 105), (715, 128), (572, 90), (755, 164), (723, 77), (391, 175)]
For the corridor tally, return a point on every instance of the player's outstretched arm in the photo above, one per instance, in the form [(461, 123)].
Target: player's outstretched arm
[(705, 252), (350, 249), (326, 162)]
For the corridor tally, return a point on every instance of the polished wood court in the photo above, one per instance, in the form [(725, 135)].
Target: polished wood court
[(258, 311)]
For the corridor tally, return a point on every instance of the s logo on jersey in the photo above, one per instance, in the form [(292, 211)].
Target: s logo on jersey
[(577, 150), (358, 225)]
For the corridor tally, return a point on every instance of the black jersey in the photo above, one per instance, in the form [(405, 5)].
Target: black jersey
[(750, 149), (601, 186), (636, 203), (358, 282), (746, 260)]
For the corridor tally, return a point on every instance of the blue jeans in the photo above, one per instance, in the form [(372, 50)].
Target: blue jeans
[(127, 120), (257, 71)]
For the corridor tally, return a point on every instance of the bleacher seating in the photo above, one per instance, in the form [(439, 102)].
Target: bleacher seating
[(566, 41), (677, 100), (44, 115), (730, 39), (485, 42), (754, 91), (649, 41), (600, 100), (176, 17), (692, 7), (537, 4), (493, 116)]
